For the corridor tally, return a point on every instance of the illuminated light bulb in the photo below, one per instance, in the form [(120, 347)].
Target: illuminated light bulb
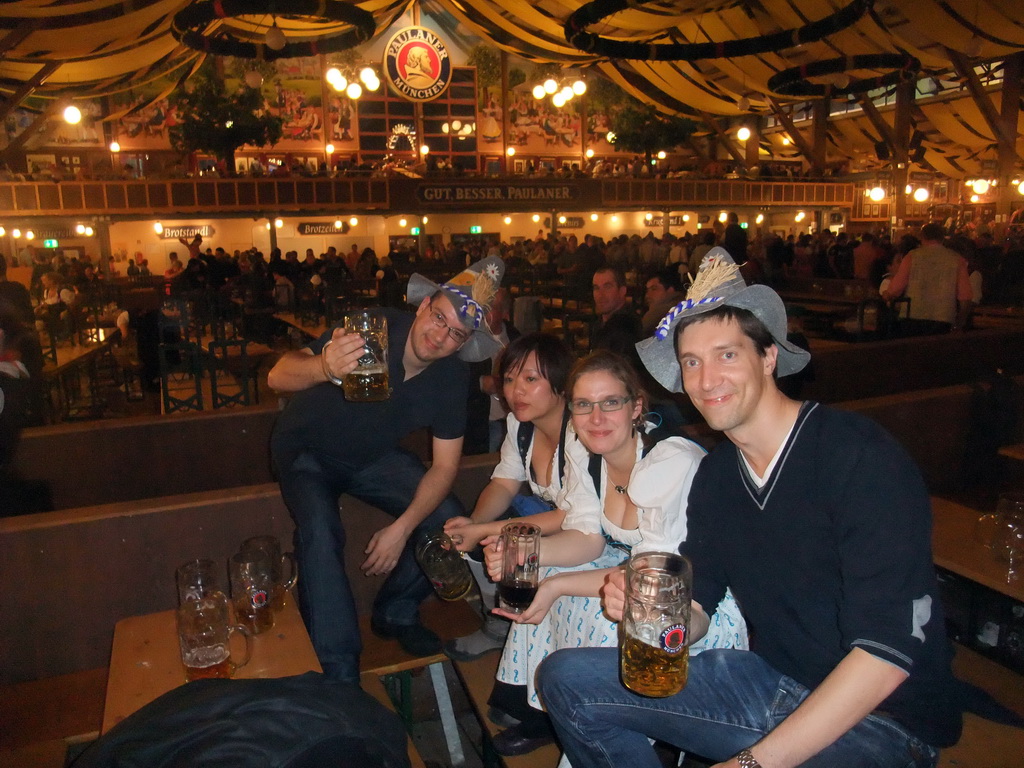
[(424, 149), (80, 229), (662, 155), (567, 92), (354, 221), (593, 217), (561, 219), (550, 86), (579, 87), (72, 115), (800, 216), (354, 91), (510, 151), (759, 219), (648, 217), (275, 38), (907, 189), (686, 217), (16, 233), (723, 217), (1020, 187), (253, 78), (467, 129), (115, 147), (921, 194), (610, 137), (539, 92), (615, 218), (743, 133), (267, 225), (329, 149), (402, 223), (425, 219), (2, 231), (456, 125), (333, 74), (981, 186), (338, 224), (367, 75), (536, 218), (507, 219), (975, 198), (229, 123), (558, 100), (88, 233), (786, 141), (278, 223), (589, 153), (30, 235), (876, 194), (445, 128), (654, 161)]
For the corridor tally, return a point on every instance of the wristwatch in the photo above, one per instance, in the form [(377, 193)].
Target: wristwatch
[(747, 760)]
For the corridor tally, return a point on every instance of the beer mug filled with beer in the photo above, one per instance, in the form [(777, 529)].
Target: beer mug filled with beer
[(444, 566), (520, 558), (369, 381), (204, 637), (252, 588), (655, 627), (278, 563)]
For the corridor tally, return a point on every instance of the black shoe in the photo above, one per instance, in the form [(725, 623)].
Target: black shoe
[(415, 639), (518, 740), (501, 718)]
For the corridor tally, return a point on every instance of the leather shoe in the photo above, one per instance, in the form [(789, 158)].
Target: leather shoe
[(415, 639), (517, 740)]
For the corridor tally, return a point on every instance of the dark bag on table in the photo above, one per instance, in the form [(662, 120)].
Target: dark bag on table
[(306, 721)]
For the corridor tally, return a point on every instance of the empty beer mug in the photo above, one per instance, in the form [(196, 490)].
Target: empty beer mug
[(252, 586), (444, 566), (198, 578), (369, 381), (655, 627), (281, 563), (520, 559), (204, 637)]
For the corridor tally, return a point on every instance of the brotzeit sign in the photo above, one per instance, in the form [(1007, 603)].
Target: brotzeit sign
[(497, 194)]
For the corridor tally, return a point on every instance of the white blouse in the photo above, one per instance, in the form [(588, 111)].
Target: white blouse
[(511, 466), (659, 486)]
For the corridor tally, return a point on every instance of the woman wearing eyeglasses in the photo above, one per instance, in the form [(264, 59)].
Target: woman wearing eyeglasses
[(633, 498)]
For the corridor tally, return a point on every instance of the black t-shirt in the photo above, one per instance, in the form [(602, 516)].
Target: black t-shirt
[(321, 420), (833, 553)]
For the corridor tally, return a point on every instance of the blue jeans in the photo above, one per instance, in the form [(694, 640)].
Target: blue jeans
[(311, 487), (731, 700)]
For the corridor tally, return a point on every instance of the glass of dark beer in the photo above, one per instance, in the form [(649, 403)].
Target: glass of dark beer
[(520, 566), (252, 588), (369, 381), (444, 566), (654, 633), (204, 637)]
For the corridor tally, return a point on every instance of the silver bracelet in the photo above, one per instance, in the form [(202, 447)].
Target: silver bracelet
[(327, 371), (747, 760)]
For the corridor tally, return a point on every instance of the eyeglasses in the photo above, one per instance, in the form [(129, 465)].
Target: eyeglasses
[(455, 334), (581, 407)]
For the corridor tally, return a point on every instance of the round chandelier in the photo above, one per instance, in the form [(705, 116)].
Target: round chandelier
[(794, 81), (250, 38)]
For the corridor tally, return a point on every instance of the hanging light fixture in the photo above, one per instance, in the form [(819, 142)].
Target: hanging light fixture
[(510, 151), (72, 115), (115, 147), (253, 78), (275, 39), (158, 227)]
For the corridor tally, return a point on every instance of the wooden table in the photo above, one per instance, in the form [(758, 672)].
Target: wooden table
[(955, 549), (145, 662)]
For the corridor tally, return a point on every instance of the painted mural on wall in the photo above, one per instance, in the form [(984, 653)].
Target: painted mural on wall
[(145, 127)]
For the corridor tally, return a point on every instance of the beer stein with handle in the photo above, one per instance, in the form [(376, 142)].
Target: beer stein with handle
[(369, 381), (520, 556), (278, 562), (252, 587), (444, 566), (204, 637), (655, 627)]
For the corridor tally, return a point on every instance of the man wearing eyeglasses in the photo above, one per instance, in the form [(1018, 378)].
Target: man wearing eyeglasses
[(324, 445)]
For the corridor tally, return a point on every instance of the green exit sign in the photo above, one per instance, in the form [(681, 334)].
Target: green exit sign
[(414, 231), (50, 243), (476, 230)]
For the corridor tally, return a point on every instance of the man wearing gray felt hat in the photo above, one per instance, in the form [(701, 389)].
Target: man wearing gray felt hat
[(819, 523), (325, 445)]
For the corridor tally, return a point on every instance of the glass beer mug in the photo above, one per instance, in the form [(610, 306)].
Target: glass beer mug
[(520, 566), (204, 633), (369, 381), (444, 566), (655, 627)]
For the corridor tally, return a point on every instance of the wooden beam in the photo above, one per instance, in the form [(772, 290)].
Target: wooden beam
[(905, 92), (723, 139), (965, 70), (819, 119), (19, 141), (787, 122), (698, 149), (1013, 70), (17, 36), (26, 90), (884, 129)]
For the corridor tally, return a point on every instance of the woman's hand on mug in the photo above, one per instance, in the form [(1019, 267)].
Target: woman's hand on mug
[(464, 533), (535, 612), (613, 594), (492, 557)]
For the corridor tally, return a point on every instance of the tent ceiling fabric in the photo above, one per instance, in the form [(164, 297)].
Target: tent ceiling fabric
[(117, 43)]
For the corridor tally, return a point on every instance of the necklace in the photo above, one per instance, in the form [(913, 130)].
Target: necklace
[(620, 488)]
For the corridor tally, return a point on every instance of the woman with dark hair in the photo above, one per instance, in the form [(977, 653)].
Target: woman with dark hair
[(532, 371), (628, 495)]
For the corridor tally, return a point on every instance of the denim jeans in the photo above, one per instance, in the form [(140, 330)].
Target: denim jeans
[(731, 700), (311, 487)]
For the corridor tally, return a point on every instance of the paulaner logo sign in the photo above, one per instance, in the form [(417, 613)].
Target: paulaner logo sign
[(417, 65), (501, 193)]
